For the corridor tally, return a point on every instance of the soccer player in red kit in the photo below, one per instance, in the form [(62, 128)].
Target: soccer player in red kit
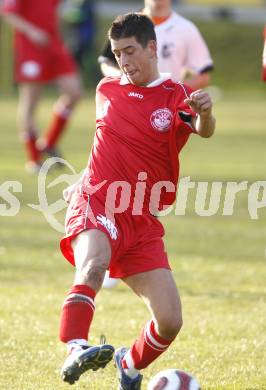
[(41, 57), (143, 121), (264, 56)]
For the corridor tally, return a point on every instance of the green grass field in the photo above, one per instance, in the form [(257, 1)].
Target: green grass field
[(219, 262)]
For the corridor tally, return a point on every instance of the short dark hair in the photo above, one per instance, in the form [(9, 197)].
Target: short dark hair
[(133, 25)]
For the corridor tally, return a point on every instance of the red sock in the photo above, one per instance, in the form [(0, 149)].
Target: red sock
[(77, 313), (29, 139), (57, 126), (147, 347)]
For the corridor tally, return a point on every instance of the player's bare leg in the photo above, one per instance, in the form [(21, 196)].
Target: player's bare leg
[(158, 290), (29, 96), (70, 89), (92, 254)]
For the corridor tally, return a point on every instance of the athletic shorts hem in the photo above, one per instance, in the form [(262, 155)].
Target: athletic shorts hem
[(122, 275)]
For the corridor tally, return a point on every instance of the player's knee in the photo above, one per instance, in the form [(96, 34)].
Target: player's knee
[(170, 326), (95, 271), (92, 273), (76, 93), (92, 256), (72, 93), (75, 90)]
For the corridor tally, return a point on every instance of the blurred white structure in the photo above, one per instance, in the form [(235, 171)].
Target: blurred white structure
[(246, 14)]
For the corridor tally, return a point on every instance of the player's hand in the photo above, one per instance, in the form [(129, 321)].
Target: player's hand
[(39, 37), (200, 102)]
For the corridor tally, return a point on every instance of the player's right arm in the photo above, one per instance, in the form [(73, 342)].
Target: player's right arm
[(199, 63), (109, 69), (10, 11), (108, 64)]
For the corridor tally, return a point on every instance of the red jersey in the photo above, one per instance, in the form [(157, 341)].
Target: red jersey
[(139, 129), (41, 13)]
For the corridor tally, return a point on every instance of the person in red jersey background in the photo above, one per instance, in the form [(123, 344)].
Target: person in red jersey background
[(143, 120), (264, 56), (41, 57)]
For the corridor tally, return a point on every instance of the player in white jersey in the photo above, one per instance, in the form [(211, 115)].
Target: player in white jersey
[(182, 50)]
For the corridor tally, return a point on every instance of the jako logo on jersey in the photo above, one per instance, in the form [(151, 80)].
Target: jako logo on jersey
[(161, 119), (109, 226), (135, 94)]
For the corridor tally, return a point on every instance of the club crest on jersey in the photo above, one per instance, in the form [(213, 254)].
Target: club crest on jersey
[(161, 119)]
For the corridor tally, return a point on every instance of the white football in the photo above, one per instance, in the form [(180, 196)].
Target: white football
[(173, 379)]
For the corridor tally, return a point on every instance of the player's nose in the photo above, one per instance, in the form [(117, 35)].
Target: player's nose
[(124, 61)]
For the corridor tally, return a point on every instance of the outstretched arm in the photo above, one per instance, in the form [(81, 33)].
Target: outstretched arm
[(198, 80), (201, 103), (32, 32), (109, 69)]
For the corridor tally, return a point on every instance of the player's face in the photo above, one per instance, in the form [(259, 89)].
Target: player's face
[(138, 63), (157, 4)]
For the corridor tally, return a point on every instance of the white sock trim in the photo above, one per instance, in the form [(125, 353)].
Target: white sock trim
[(150, 340), (131, 371), (77, 344), (74, 297)]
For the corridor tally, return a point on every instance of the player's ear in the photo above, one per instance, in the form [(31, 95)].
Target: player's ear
[(152, 46)]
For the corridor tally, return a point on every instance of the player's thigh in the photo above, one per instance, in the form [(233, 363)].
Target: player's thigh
[(29, 95), (158, 290), (91, 247)]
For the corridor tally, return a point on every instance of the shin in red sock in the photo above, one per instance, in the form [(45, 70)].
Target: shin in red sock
[(57, 126), (29, 140), (77, 313), (148, 347)]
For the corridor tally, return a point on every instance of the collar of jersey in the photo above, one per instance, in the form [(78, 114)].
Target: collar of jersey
[(163, 76)]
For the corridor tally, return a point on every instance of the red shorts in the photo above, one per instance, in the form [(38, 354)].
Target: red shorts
[(136, 241), (42, 64)]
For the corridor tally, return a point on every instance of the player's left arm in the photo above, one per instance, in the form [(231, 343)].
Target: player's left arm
[(198, 63), (199, 80), (201, 103)]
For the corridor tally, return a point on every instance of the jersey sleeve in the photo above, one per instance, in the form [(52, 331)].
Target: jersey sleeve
[(183, 118), (11, 6), (198, 56), (107, 54), (185, 115)]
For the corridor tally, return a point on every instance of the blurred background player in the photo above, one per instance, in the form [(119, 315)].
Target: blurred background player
[(41, 57), (264, 57), (181, 51), (79, 27)]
